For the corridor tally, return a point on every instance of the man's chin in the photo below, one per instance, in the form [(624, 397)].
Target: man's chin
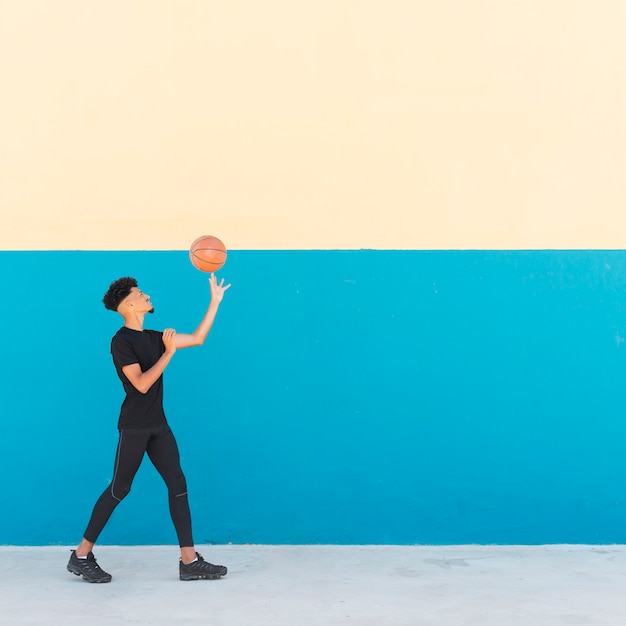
[(151, 310)]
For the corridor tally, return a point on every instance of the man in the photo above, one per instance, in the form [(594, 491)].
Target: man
[(140, 358)]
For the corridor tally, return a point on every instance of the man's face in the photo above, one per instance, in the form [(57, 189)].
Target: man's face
[(139, 300)]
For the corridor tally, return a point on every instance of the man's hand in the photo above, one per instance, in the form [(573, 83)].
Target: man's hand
[(199, 335), (217, 289), (169, 340), (142, 381)]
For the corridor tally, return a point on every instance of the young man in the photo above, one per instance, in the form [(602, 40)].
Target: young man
[(140, 358)]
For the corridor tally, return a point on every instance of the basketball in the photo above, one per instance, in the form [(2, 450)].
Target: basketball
[(207, 253)]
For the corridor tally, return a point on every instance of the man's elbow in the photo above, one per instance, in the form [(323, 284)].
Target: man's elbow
[(196, 341), (141, 387)]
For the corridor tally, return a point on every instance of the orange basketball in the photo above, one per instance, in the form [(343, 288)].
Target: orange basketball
[(207, 253)]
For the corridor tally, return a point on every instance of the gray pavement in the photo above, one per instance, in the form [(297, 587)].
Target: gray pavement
[(322, 585)]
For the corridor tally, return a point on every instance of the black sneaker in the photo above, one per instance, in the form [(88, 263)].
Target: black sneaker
[(201, 569), (87, 568)]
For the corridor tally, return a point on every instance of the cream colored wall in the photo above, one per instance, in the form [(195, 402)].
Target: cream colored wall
[(129, 124)]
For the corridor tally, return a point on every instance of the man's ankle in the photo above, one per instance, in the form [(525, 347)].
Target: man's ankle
[(188, 555)]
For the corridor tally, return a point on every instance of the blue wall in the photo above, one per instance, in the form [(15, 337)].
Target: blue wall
[(342, 397)]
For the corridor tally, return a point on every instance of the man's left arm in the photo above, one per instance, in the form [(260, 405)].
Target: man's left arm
[(198, 336)]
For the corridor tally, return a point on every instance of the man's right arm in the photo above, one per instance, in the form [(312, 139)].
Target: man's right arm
[(142, 381)]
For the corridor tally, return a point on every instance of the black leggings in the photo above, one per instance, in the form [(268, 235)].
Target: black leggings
[(161, 447)]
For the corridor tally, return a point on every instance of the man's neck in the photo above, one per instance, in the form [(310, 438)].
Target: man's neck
[(134, 321)]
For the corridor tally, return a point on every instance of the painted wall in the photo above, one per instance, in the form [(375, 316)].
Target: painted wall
[(343, 397), (424, 342), (404, 124)]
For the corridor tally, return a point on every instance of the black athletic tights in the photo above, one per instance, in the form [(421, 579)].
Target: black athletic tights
[(161, 447)]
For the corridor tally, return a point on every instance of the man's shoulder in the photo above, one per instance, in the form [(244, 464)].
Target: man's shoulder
[(120, 341), (122, 334)]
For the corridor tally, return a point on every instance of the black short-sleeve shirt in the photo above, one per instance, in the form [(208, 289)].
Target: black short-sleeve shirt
[(139, 410)]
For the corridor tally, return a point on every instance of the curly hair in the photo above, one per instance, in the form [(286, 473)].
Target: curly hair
[(117, 291)]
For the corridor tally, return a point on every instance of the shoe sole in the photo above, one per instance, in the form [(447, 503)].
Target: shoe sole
[(77, 572), (201, 576)]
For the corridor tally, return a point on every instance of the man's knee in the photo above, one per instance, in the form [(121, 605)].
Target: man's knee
[(177, 488), (119, 492)]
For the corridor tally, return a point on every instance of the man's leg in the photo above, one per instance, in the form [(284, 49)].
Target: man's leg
[(163, 452), (130, 450)]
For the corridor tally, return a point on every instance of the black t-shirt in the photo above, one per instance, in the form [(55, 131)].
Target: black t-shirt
[(139, 410)]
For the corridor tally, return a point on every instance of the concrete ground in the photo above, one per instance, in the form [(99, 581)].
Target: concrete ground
[(322, 586)]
